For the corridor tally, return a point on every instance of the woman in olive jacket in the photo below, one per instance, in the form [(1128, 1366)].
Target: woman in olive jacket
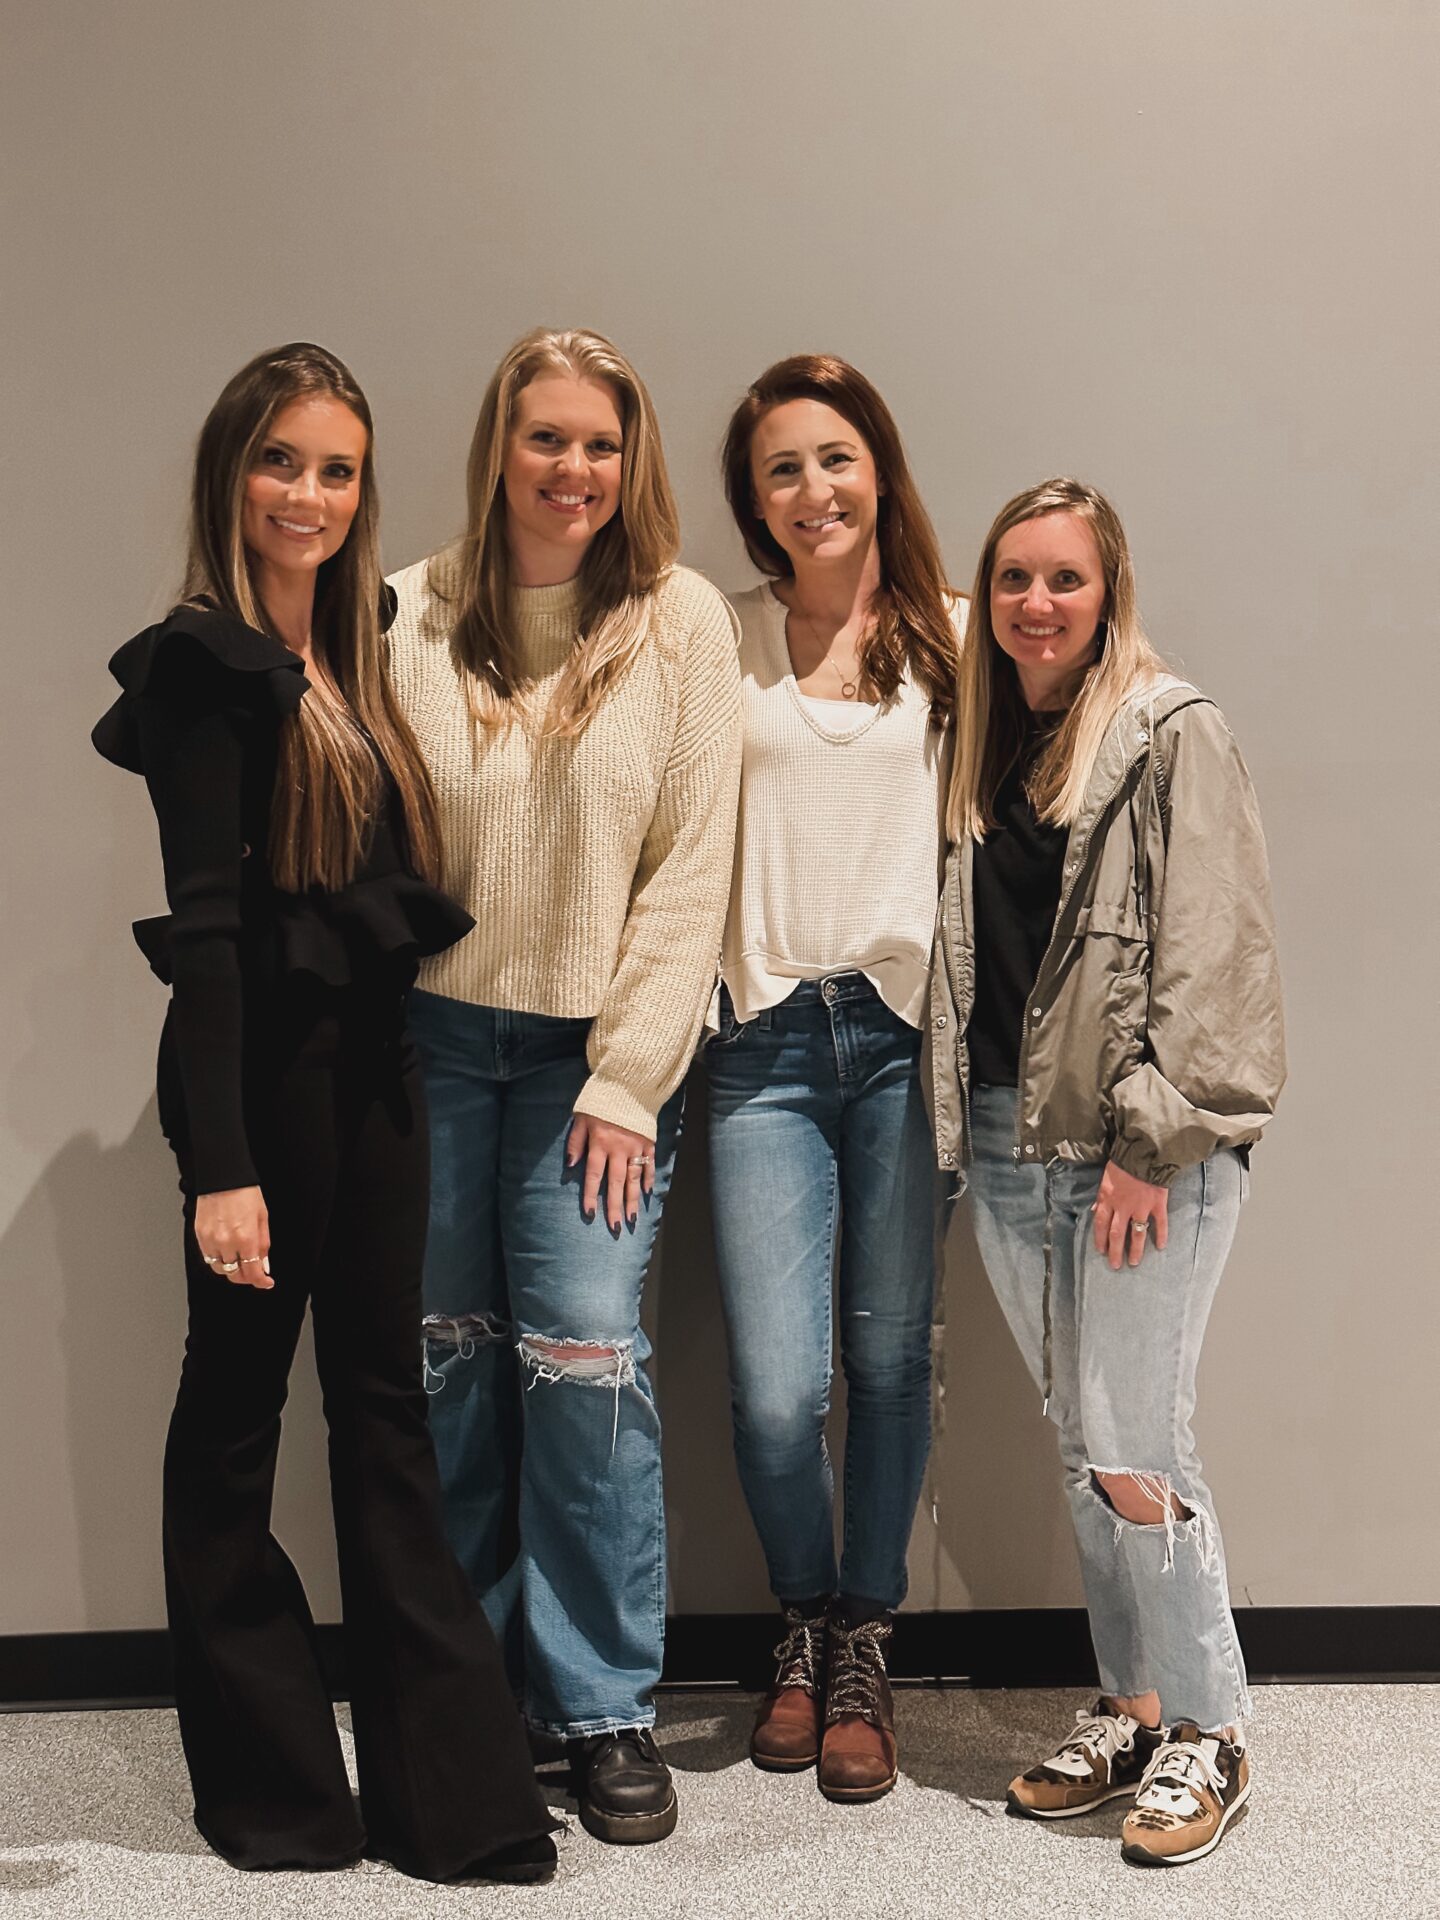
[(1106, 1045)]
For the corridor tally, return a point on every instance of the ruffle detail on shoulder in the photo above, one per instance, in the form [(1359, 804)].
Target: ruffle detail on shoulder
[(381, 926), (196, 654)]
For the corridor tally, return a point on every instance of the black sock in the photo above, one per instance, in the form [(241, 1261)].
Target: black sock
[(854, 1609), (815, 1608)]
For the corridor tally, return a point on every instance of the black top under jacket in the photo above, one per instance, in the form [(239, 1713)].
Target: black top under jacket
[(1017, 875)]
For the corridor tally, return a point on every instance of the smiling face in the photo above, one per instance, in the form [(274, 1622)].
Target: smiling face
[(561, 472), (304, 487), (816, 487), (1047, 599)]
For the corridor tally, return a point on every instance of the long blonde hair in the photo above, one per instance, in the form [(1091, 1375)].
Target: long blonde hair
[(990, 708), (327, 782), (621, 565)]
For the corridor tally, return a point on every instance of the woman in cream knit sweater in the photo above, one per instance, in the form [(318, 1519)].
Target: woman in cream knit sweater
[(816, 1111), (576, 697)]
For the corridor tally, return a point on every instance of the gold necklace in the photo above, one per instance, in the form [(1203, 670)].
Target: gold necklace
[(848, 688)]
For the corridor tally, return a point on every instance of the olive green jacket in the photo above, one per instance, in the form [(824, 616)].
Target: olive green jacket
[(1154, 1032)]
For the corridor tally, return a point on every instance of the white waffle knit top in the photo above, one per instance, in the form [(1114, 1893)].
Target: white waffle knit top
[(841, 840), (596, 868)]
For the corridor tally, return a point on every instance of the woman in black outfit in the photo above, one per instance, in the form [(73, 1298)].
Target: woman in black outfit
[(298, 833)]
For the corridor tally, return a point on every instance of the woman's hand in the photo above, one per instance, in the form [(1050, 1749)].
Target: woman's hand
[(232, 1230), (624, 1161), (1127, 1214)]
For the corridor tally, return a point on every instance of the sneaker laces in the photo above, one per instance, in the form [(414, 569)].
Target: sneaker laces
[(1174, 1780), (1097, 1736), (857, 1667), (799, 1654)]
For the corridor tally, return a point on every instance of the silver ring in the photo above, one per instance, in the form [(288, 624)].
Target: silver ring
[(251, 1259), (641, 1160), (1139, 1226), (224, 1266)]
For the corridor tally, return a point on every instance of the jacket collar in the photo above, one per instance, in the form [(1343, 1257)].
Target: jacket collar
[(1129, 738)]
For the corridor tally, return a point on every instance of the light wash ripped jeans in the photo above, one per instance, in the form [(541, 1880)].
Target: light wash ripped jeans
[(1124, 1349)]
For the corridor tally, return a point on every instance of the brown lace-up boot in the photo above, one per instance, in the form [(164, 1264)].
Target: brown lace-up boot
[(857, 1754), (787, 1727)]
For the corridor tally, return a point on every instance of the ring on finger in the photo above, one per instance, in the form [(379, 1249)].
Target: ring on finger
[(1141, 1227), (641, 1160), (226, 1266), (251, 1259)]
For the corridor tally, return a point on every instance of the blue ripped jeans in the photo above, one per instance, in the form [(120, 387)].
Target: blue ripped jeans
[(549, 1450), (1124, 1348), (817, 1122)]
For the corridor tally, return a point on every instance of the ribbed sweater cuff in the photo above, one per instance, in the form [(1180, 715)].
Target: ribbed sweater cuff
[(607, 1100)]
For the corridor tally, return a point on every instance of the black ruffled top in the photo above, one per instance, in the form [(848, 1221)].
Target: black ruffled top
[(198, 716)]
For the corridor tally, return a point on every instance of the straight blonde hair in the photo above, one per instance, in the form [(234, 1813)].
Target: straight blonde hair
[(621, 567), (991, 711), (327, 782)]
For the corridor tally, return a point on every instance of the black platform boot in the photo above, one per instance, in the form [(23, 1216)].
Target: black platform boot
[(624, 1788)]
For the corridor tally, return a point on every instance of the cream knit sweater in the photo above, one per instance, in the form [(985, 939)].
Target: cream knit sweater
[(842, 839), (597, 869)]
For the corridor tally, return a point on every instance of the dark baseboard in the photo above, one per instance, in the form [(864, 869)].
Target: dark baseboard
[(989, 1647)]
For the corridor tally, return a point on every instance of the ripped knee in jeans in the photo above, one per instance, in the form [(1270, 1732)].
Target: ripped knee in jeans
[(591, 1363), (1141, 1497), (460, 1334)]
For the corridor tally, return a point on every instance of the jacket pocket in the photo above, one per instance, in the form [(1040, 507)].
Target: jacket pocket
[(1117, 920), (1114, 958)]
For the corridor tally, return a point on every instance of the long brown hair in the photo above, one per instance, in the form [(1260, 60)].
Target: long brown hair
[(991, 724), (621, 567), (327, 782), (911, 622)]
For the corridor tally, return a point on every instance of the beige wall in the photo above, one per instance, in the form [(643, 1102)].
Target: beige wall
[(1183, 250)]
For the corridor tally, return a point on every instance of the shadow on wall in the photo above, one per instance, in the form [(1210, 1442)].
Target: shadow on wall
[(1002, 1537), (715, 1561), (94, 1384), (94, 1381)]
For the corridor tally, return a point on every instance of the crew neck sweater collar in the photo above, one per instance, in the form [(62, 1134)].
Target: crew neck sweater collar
[(540, 603)]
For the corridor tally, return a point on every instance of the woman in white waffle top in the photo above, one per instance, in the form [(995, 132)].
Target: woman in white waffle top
[(817, 1118)]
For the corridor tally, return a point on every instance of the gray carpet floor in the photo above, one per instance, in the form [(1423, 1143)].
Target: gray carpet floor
[(1342, 1823)]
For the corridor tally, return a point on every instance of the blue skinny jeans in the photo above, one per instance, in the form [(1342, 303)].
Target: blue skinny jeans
[(549, 1452), (1124, 1349), (817, 1123)]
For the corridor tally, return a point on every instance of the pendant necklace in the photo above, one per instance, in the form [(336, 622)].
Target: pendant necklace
[(848, 688)]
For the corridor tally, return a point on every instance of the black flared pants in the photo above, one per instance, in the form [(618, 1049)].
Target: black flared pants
[(336, 1121)]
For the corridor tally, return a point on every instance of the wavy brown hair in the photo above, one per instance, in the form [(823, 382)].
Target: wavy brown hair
[(327, 783), (992, 711), (910, 618), (621, 567)]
